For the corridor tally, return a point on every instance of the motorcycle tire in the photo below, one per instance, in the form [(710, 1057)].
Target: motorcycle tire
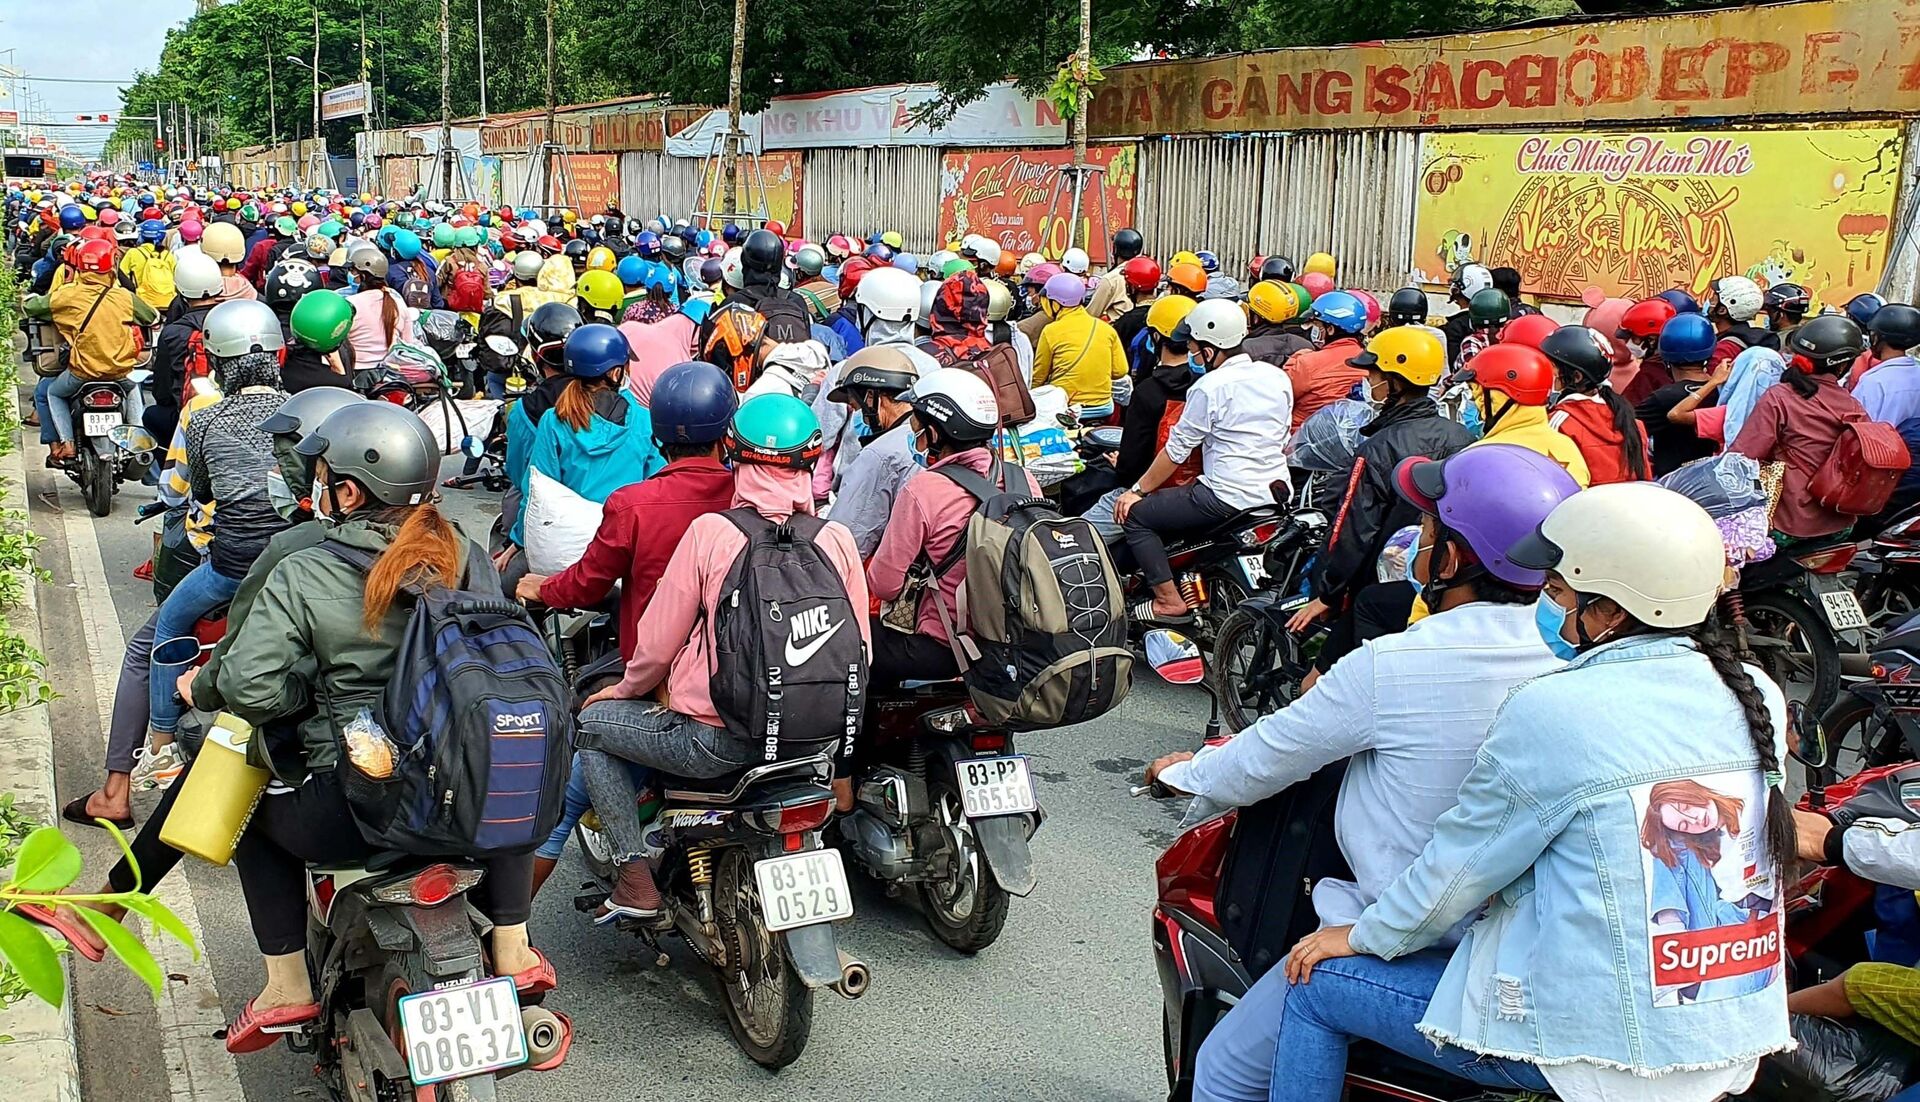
[(966, 914), (596, 852), (96, 482), (1252, 671), (1812, 653), (1224, 597), (1877, 744), (403, 975), (775, 1035)]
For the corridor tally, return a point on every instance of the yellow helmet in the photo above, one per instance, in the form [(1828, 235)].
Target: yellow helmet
[(1413, 352), (1167, 312), (1273, 302), (299, 208), (600, 289), (569, 217), (1321, 263), (600, 259), (1184, 256)]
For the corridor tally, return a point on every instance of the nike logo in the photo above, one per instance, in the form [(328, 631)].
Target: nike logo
[(801, 655)]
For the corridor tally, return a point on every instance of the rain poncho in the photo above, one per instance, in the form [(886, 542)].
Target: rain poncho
[(1754, 371)]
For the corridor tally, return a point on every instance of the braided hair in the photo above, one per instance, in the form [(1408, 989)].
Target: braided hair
[(1727, 659)]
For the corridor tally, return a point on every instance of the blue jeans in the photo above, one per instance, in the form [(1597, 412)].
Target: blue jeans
[(200, 592), (1911, 1094), (577, 804), (59, 392), (40, 389)]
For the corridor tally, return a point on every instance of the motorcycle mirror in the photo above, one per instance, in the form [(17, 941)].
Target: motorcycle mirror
[(1174, 657), (503, 345), (1806, 738), (132, 438)]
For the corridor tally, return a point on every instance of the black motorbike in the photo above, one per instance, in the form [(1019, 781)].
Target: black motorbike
[(1797, 615), (1876, 721), (1256, 663)]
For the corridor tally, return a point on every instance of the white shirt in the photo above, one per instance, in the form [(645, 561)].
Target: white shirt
[(1239, 415), (1592, 1083)]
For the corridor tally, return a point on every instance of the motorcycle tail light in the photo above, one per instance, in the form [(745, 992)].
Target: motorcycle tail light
[(1260, 534), (1831, 560), (794, 819), (989, 742), (397, 397), (102, 399), (954, 719), (429, 887)]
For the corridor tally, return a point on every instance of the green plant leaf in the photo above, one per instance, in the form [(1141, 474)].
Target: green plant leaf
[(125, 946), (33, 958), (47, 862), (163, 917)]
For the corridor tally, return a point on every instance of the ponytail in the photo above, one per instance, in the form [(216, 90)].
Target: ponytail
[(1801, 382), (390, 312), (1628, 426), (575, 404), (425, 552), (1727, 662)]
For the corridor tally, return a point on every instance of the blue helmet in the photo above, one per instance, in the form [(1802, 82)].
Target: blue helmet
[(146, 198), (730, 233), (1340, 310), (658, 276), (72, 218), (881, 252), (405, 244), (594, 350), (647, 244), (632, 271), (1209, 262), (528, 214), (1687, 339), (153, 231), (692, 403), (1861, 308), (906, 263), (1682, 302)]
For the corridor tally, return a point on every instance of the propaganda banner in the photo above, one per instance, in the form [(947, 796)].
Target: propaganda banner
[(596, 182), (1021, 198), (1636, 213), (1833, 57), (786, 195), (521, 135), (887, 115)]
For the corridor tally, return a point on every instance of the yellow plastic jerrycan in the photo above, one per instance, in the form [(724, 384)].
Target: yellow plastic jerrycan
[(221, 792)]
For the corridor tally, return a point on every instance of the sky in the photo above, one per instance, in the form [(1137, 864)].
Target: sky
[(51, 38)]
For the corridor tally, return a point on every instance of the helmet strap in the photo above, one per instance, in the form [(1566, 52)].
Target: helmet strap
[(1488, 417)]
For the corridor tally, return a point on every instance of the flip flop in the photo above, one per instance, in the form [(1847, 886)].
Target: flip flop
[(76, 812), (249, 1032), (144, 572), (68, 927)]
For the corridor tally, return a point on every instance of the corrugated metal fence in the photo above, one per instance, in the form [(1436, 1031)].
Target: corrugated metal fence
[(654, 182), (855, 191)]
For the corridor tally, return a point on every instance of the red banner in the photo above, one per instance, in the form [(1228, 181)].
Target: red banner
[(1021, 199), (1717, 952), (596, 181)]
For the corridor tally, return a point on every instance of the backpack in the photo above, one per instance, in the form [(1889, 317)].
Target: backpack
[(156, 277), (467, 291), (794, 677), (415, 291), (999, 368), (481, 722), (195, 365), (1866, 463), (1047, 624)]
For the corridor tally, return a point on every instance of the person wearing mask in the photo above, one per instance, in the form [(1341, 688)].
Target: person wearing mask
[(1735, 302), (1468, 281), (1141, 276), (1600, 423), (1686, 346), (1888, 388), (1238, 415), (874, 382), (1033, 297), (1404, 763), (380, 315), (1324, 374), (224, 242), (200, 290), (1275, 334), (773, 440), (99, 321), (1511, 390), (1639, 329), (1785, 306), (1798, 420), (884, 304), (546, 336), (1077, 352)]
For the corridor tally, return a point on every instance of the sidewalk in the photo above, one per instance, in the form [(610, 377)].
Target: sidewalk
[(38, 1064)]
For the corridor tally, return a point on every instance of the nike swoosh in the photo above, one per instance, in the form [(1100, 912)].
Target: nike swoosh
[(800, 656)]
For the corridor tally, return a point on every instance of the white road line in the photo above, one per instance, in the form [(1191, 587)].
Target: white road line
[(198, 1064)]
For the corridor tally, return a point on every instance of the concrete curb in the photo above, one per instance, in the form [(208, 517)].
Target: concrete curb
[(39, 1064)]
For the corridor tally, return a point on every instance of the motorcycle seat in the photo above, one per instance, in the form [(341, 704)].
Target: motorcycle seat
[(727, 788), (1226, 529)]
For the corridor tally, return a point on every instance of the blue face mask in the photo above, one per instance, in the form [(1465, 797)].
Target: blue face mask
[(1412, 554), (919, 457), (1549, 617), (858, 424), (1470, 419)]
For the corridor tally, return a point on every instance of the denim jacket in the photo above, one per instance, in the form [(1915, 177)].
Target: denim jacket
[(1611, 828)]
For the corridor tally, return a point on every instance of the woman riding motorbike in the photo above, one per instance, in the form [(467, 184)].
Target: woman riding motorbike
[(1798, 419), (1599, 422)]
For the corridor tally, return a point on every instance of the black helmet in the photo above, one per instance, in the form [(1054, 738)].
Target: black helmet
[(1897, 324), (1127, 244), (711, 271), (547, 329), (674, 246), (1789, 298), (1279, 269), (286, 282), (1829, 340), (576, 250), (1583, 356), (1408, 306), (1489, 308), (761, 257)]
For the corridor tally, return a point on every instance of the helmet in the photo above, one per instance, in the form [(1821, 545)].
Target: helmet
[(1492, 497), (1271, 302), (594, 351), (72, 217), (674, 246), (153, 231), (1278, 269), (1316, 284), (1737, 297), (1523, 374), (1489, 308), (775, 430), (1687, 339), (547, 329), (195, 275), (125, 230), (910, 264), (1790, 299), (731, 269), (1185, 256), (1824, 343), (1188, 276), (1208, 260), (893, 240), (321, 319), (444, 236), (241, 326), (387, 450), (1529, 329), (1896, 324), (1167, 312), (1651, 551), (880, 252), (1340, 310), (526, 265), (1141, 273), (1682, 302), (301, 413), (1862, 308), (984, 249), (576, 251), (1217, 323), (923, 310), (404, 244), (810, 260), (1127, 244), (319, 247), (761, 255), (1065, 290), (957, 403), (287, 281), (1408, 306), (1027, 263), (1320, 263), (630, 271), (600, 289), (888, 294), (838, 247), (191, 231), (1413, 352), (1038, 275), (1076, 261), (224, 242), (1470, 279), (1646, 318), (369, 261), (999, 301), (882, 367), (692, 403), (1584, 356), (600, 259), (712, 271), (93, 256)]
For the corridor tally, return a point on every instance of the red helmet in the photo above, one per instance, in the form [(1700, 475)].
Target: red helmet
[(93, 256), (1528, 329), (851, 273), (547, 244), (95, 233), (1521, 373), (777, 226), (1645, 319), (1253, 269), (1142, 274)]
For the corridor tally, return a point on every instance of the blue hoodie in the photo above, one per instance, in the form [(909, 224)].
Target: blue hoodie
[(615, 449)]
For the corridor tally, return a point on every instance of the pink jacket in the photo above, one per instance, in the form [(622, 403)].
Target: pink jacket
[(656, 347), (931, 514), (667, 647)]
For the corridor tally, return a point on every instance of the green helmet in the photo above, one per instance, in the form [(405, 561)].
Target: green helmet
[(329, 228), (404, 218), (250, 213), (321, 320), (444, 236), (286, 225), (1303, 296), (775, 430), (955, 267), (469, 237), (1489, 308)]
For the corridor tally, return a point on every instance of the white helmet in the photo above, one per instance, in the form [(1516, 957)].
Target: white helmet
[(1219, 323), (731, 270), (956, 402), (527, 264), (1028, 263), (937, 263), (923, 309), (224, 242), (1650, 550), (526, 237), (1471, 279), (889, 294), (1738, 296), (1076, 261), (195, 275), (984, 249)]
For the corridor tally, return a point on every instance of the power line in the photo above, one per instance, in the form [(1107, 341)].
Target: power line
[(66, 80)]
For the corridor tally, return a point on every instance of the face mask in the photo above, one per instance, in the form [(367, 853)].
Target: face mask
[(281, 495), (919, 455), (862, 431), (1316, 336), (1413, 553), (1637, 349), (324, 517), (1549, 617), (1194, 365)]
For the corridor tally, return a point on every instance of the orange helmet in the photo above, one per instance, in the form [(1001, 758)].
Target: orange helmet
[(1189, 277)]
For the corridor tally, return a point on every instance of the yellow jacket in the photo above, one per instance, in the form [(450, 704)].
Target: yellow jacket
[(1081, 355), (1527, 426), (102, 339)]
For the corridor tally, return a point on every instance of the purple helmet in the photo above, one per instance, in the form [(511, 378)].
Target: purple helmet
[(1492, 496), (1066, 289)]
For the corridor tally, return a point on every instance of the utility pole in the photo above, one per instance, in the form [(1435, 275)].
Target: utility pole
[(729, 149), (446, 106), (546, 147), (480, 39), (273, 114), (319, 143)]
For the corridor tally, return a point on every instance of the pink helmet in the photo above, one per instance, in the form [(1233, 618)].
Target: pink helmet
[(307, 222), (1038, 275), (190, 232), (1372, 304)]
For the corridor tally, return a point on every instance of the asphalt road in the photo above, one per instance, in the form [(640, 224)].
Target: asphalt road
[(1064, 1006)]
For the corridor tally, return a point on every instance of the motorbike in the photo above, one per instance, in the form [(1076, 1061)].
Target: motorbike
[(1876, 721), (110, 444), (1257, 664), (1797, 614), (1886, 572)]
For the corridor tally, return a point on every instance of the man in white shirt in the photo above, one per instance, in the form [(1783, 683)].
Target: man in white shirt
[(1238, 413)]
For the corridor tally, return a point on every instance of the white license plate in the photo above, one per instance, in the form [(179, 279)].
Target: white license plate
[(1256, 568), (996, 786), (99, 424), (803, 889), (1843, 609), (469, 1029)]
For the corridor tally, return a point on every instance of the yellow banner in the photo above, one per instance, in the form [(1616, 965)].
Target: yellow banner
[(1636, 213), (1830, 57)]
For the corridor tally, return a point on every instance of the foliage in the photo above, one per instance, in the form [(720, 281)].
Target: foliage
[(9, 364)]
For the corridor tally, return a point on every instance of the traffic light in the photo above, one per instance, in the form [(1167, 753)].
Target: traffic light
[(160, 143)]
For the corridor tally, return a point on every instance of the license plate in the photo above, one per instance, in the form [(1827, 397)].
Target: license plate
[(1256, 568), (803, 889), (469, 1029), (99, 424), (1843, 609), (996, 786)]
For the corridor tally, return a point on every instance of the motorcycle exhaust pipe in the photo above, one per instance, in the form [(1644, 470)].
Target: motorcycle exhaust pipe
[(854, 978), (545, 1034)]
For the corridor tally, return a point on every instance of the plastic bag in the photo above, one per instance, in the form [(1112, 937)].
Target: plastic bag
[(1721, 484), (1392, 566), (368, 747), (1852, 1061), (416, 363), (1328, 440), (444, 327)]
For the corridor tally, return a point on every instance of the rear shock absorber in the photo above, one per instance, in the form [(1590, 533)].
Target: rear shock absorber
[(1194, 590), (700, 865), (917, 759)]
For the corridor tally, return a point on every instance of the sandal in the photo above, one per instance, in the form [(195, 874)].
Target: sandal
[(254, 1029), (76, 812), (79, 936), (537, 980)]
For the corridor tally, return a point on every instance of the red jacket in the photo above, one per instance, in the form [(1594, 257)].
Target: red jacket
[(1588, 422), (640, 525)]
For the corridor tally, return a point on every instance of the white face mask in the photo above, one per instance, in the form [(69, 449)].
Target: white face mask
[(320, 514), (280, 495), (1637, 349)]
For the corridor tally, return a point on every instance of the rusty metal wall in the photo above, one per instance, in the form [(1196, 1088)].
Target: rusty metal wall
[(857, 191), (654, 183), (516, 170), (1900, 278)]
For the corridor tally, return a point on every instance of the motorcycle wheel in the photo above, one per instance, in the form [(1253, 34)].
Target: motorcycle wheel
[(1805, 660), (769, 1009), (96, 481), (1858, 739), (1224, 595), (596, 851), (967, 908), (1252, 673), (404, 975)]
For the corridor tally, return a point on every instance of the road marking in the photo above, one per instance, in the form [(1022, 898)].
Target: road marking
[(199, 1068)]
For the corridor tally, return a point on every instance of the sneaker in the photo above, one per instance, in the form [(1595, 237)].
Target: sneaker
[(634, 895), (157, 768)]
